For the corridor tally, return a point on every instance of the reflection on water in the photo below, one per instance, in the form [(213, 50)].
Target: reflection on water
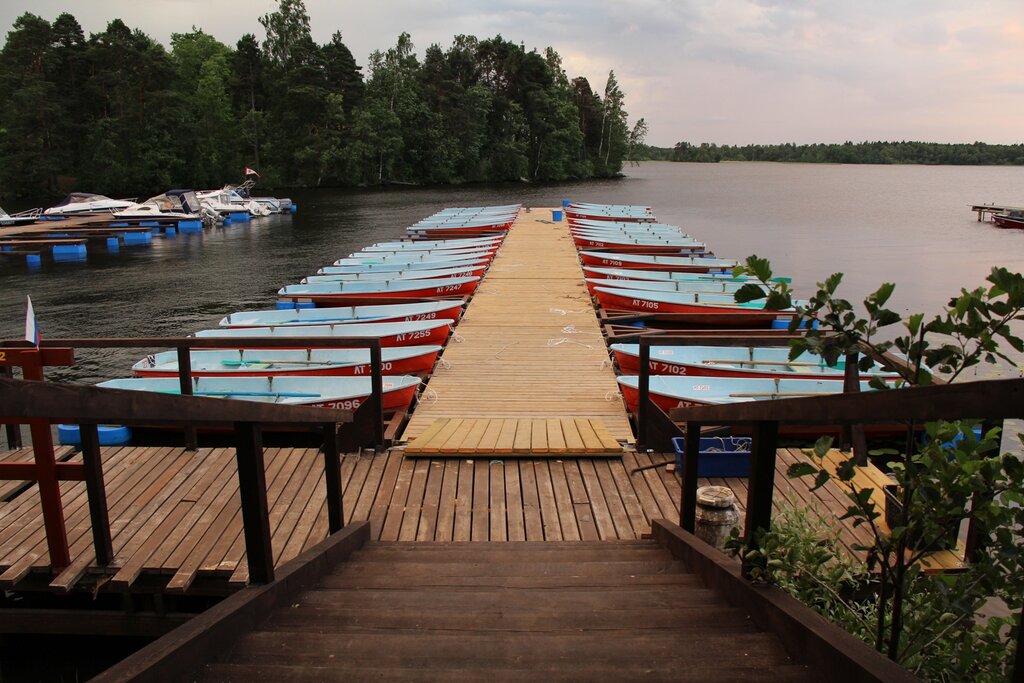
[(906, 224)]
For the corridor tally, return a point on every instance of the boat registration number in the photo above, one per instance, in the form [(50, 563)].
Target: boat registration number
[(644, 303)]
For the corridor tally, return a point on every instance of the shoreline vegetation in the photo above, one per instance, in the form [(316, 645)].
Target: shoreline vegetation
[(118, 113), (880, 152)]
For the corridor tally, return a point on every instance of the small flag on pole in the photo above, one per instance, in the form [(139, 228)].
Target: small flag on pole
[(249, 171), (31, 329)]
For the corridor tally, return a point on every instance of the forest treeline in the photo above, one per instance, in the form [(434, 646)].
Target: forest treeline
[(932, 153), (118, 113)]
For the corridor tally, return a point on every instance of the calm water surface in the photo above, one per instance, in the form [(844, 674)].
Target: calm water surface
[(907, 224)]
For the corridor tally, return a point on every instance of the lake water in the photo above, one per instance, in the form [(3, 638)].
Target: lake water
[(907, 224)]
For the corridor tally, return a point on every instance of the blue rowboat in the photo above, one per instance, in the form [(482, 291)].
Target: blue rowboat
[(427, 310), (399, 360), (673, 391), (346, 393), (355, 266), (471, 271), (767, 362), (414, 333)]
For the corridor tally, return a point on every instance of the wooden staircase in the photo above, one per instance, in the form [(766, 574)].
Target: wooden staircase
[(571, 611)]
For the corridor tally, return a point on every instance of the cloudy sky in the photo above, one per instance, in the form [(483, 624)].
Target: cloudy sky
[(725, 71)]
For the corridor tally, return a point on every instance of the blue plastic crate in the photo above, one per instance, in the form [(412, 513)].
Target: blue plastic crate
[(720, 456)]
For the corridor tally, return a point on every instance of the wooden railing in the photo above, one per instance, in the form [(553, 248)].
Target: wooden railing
[(992, 401), (41, 405), (184, 345)]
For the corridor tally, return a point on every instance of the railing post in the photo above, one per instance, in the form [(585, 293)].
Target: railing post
[(13, 430), (332, 477), (377, 392), (252, 489), (96, 493), (643, 389), (853, 435), (761, 484), (688, 502), (46, 474), (185, 382)]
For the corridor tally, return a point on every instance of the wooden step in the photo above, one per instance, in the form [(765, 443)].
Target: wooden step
[(508, 612), (509, 651), (496, 567), (686, 622), (528, 599), (653, 672)]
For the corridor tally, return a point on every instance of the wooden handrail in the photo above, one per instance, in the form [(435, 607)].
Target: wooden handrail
[(991, 399), (58, 403)]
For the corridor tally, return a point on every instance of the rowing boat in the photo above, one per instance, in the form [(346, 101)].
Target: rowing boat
[(668, 391), (377, 276), (663, 275), (386, 313), (346, 393), (655, 262), (645, 246), (330, 292), (399, 360), (413, 257), (422, 245), (355, 266), (413, 333), (735, 361), (475, 251), (708, 287)]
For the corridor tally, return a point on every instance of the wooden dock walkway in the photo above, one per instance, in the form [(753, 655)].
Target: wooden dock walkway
[(529, 345), (176, 524)]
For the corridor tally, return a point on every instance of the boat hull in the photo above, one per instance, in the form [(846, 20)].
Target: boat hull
[(732, 316), (260, 366), (613, 260)]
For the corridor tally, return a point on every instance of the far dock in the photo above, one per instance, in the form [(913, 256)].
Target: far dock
[(986, 211)]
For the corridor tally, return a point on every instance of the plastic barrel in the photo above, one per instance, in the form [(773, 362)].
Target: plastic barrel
[(110, 435), (556, 215), (290, 305), (33, 260), (113, 244), (566, 203)]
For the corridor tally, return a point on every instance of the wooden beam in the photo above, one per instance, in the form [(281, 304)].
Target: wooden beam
[(993, 399), (688, 496), (97, 494), (252, 489), (332, 478), (73, 403), (761, 484)]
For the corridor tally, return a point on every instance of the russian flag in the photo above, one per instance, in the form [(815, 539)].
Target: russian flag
[(31, 328)]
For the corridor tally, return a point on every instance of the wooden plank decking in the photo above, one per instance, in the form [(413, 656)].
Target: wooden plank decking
[(529, 345), (175, 514)]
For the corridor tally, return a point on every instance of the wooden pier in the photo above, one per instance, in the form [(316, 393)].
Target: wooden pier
[(986, 211), (529, 346)]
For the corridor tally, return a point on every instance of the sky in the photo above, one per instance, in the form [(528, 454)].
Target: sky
[(721, 71)]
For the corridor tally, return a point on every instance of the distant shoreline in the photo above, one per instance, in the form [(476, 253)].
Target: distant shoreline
[(875, 153)]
